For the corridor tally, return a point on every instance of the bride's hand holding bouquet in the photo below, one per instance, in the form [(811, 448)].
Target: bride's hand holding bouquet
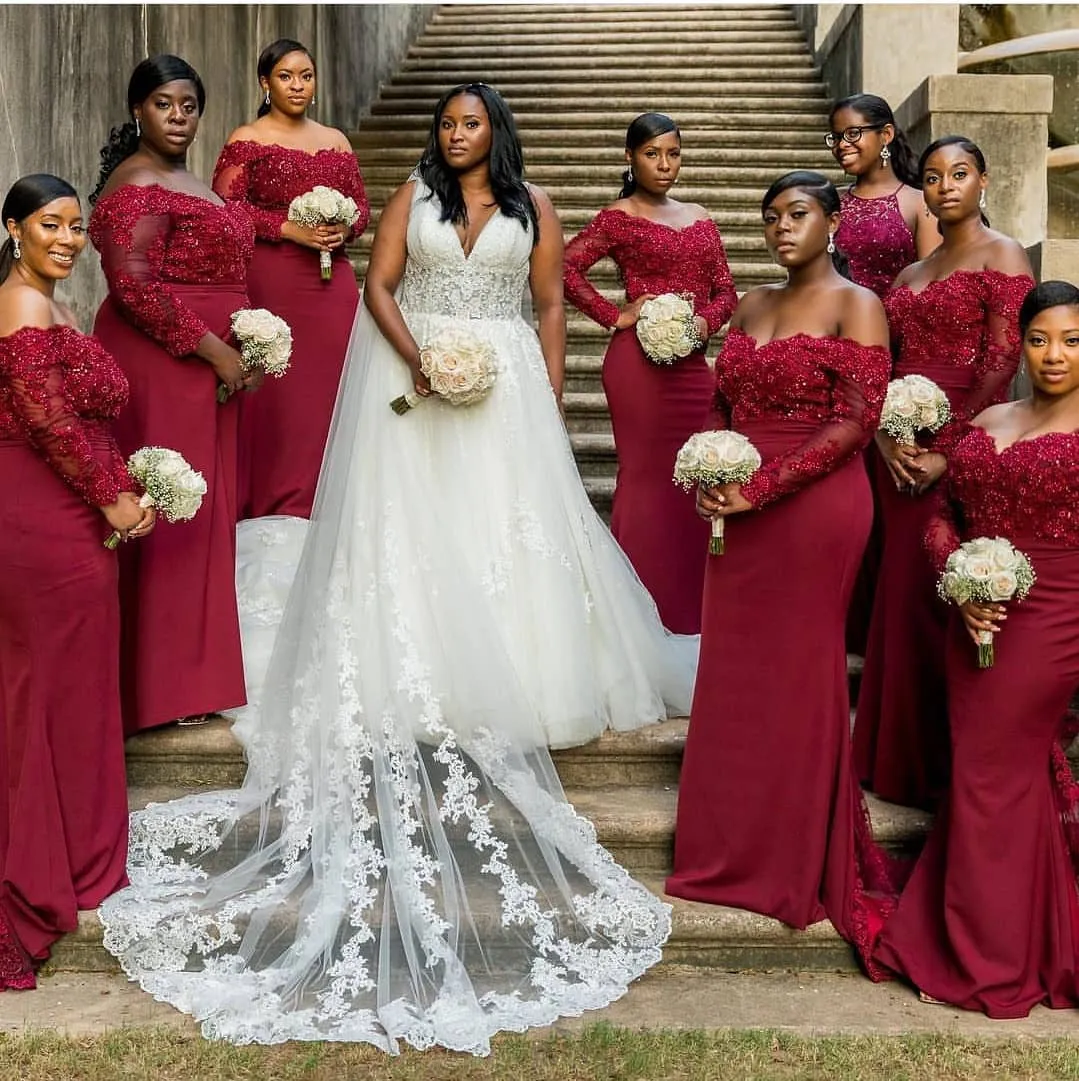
[(457, 365)]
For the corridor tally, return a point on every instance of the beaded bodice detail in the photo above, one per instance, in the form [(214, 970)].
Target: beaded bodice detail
[(833, 386), (1029, 489), (875, 238), (59, 390), (150, 238), (439, 278), (651, 258), (266, 178)]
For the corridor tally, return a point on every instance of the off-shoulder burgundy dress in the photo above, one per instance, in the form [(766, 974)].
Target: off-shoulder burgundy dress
[(176, 266), (770, 815), (990, 918), (875, 237), (962, 332), (283, 428), (655, 408), (63, 818)]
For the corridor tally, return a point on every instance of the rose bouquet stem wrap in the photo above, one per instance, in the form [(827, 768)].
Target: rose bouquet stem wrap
[(325, 265), (323, 206), (170, 484), (710, 458), (987, 570), (460, 366)]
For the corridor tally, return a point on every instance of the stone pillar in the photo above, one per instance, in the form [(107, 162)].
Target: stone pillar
[(1055, 260), (1007, 116)]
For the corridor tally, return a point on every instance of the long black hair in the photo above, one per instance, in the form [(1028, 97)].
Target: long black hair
[(506, 163), (644, 127), (271, 56), (26, 195), (968, 146), (148, 75), (818, 187), (877, 111), (1050, 294)]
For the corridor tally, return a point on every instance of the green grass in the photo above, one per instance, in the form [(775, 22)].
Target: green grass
[(599, 1053)]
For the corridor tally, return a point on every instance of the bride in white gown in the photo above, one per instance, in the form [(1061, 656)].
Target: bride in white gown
[(401, 863)]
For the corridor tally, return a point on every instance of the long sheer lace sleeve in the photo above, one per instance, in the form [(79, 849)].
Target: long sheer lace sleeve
[(858, 377), (232, 181), (586, 249), (942, 535), (37, 401), (131, 233), (724, 296)]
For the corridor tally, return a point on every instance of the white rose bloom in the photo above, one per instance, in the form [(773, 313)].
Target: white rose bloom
[(1002, 585)]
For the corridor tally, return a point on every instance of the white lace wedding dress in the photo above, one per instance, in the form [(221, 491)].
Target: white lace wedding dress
[(401, 863)]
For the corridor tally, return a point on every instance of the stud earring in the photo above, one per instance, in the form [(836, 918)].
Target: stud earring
[(16, 251), (981, 200), (885, 156), (831, 243)]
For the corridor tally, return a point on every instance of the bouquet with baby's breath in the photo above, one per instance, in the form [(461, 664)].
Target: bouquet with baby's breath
[(169, 484), (986, 570), (323, 206), (667, 328), (265, 342), (913, 404), (710, 458)]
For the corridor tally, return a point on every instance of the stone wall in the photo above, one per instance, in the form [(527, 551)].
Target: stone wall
[(64, 70)]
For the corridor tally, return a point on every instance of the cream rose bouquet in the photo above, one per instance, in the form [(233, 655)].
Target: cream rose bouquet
[(323, 206), (711, 458), (913, 404), (460, 366), (169, 484), (667, 329), (986, 570), (265, 342)]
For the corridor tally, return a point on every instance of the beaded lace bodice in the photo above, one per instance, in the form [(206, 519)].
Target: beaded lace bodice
[(439, 278), (834, 384), (651, 258), (58, 391), (150, 237), (1028, 490), (266, 178), (875, 237)]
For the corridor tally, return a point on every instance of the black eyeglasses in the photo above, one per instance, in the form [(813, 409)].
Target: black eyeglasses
[(848, 135)]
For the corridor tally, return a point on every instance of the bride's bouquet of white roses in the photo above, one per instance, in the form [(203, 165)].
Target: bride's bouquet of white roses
[(913, 404), (460, 365), (169, 484), (323, 206), (265, 342), (986, 570), (711, 458), (667, 328)]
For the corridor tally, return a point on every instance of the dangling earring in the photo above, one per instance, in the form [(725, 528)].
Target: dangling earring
[(313, 99), (885, 156), (138, 129), (16, 251), (831, 243), (266, 100), (981, 200)]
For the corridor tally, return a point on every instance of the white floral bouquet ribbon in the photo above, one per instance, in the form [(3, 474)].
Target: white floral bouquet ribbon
[(710, 458), (987, 570), (913, 404), (323, 206), (169, 484), (460, 366), (667, 328), (265, 342)]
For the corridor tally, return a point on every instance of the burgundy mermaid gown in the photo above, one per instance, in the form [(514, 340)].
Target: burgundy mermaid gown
[(63, 818), (283, 428), (176, 266), (962, 332), (655, 408), (878, 243), (990, 917), (770, 815)]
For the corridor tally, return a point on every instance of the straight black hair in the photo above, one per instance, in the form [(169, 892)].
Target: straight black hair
[(148, 75), (271, 56), (1050, 294), (877, 111), (644, 127), (506, 163), (818, 187), (26, 195)]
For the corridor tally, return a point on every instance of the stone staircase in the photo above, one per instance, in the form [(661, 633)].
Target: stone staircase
[(739, 80), (741, 83)]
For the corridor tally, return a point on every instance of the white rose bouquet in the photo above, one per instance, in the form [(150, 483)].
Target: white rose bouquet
[(323, 206), (711, 458), (913, 404), (461, 367), (986, 569), (667, 329), (265, 342), (170, 484)]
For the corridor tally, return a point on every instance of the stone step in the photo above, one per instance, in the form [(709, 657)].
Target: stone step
[(657, 66), (753, 123), (447, 22), (595, 453), (577, 100), (767, 47), (543, 13), (567, 80), (498, 35)]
